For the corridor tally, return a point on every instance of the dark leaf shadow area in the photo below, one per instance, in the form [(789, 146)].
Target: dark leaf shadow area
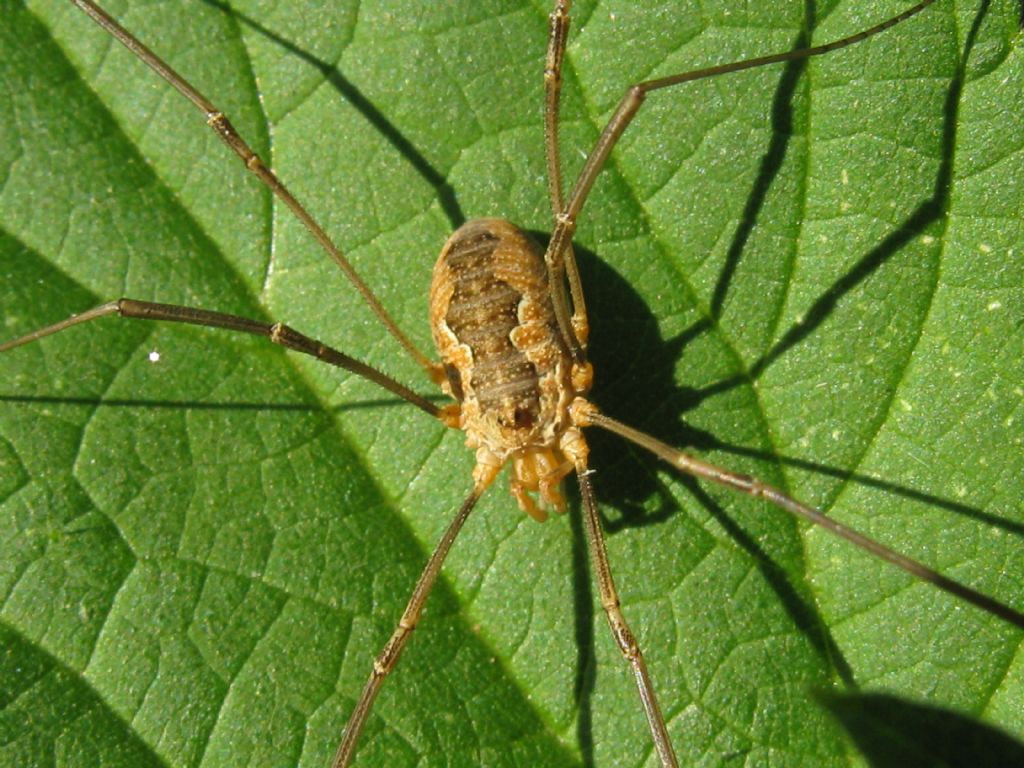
[(895, 733)]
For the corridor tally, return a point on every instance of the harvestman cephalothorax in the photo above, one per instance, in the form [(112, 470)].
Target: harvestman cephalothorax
[(270, 563)]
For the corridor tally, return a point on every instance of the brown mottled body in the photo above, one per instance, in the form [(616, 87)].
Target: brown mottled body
[(504, 358)]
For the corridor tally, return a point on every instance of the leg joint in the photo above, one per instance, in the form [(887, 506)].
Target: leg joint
[(623, 635)]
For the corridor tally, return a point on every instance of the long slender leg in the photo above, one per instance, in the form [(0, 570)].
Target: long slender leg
[(220, 124), (751, 486), (278, 333), (388, 657), (623, 635), (633, 99), (557, 36)]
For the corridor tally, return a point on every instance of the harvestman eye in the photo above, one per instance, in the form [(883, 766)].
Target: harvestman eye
[(511, 330)]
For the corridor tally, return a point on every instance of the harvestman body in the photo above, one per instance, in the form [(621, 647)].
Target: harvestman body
[(510, 326)]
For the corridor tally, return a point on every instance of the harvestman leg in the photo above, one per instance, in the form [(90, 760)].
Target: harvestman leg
[(633, 99), (751, 486), (576, 341), (624, 637), (220, 124), (388, 657), (278, 333), (576, 331)]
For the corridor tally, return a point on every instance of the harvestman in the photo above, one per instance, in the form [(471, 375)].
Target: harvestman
[(513, 355)]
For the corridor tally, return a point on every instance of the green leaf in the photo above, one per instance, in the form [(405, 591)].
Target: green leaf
[(813, 273)]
